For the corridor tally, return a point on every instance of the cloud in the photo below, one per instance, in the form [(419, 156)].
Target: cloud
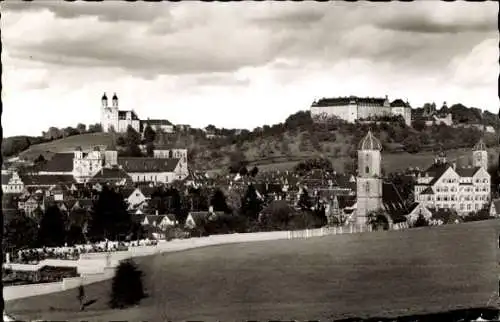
[(103, 10), (239, 64)]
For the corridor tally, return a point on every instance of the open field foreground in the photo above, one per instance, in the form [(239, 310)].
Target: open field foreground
[(371, 274)]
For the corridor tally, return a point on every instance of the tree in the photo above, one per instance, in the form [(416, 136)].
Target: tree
[(52, 231), (81, 297), (254, 171), (150, 149), (81, 128), (120, 141), (110, 218), (250, 204), (218, 201), (126, 288), (243, 171), (277, 215), (237, 160), (378, 219), (419, 125), (421, 221), (132, 137), (149, 134), (20, 232), (304, 200), (412, 144)]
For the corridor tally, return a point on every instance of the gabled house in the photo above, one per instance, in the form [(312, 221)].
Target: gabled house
[(495, 208), (415, 211), (12, 183)]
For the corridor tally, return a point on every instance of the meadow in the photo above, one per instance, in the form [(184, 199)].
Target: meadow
[(394, 273)]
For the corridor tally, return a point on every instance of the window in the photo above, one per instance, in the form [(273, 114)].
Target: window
[(367, 170), (367, 187), (468, 206)]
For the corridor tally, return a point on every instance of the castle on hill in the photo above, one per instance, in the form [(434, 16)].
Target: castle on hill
[(114, 119), (354, 108)]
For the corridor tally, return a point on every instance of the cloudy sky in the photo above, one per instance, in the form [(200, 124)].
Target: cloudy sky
[(238, 65)]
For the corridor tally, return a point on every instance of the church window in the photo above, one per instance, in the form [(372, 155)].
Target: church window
[(367, 187), (367, 170)]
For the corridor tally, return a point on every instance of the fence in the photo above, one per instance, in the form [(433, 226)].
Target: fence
[(97, 267)]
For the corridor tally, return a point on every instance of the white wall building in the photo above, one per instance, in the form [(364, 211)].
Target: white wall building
[(464, 189), (354, 108)]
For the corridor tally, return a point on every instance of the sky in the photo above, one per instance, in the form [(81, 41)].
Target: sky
[(238, 65)]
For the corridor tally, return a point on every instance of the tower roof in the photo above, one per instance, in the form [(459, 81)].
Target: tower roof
[(104, 97), (115, 97), (480, 146), (78, 148), (370, 142)]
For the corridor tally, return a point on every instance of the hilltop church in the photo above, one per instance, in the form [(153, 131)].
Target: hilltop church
[(114, 119)]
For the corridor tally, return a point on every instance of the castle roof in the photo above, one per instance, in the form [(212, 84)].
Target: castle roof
[(399, 103), (480, 146), (370, 142), (133, 164), (342, 101)]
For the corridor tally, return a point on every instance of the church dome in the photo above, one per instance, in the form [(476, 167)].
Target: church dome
[(78, 148), (480, 146), (370, 142), (104, 97), (96, 148), (115, 97)]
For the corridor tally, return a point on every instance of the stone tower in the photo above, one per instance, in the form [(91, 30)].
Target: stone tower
[(369, 181), (480, 155), (109, 114)]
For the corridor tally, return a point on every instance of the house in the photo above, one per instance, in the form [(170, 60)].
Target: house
[(138, 197), (495, 208), (157, 125), (465, 189), (168, 220), (415, 211), (12, 183), (197, 219)]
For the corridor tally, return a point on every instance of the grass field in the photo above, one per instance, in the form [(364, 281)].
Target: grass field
[(85, 141), (381, 273)]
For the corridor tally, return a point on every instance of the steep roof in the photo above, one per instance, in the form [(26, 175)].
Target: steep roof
[(496, 205), (399, 103), (370, 142), (342, 101), (110, 175), (47, 179), (122, 115), (60, 162), (132, 164), (436, 170), (428, 191), (480, 146), (467, 172), (393, 203), (155, 122)]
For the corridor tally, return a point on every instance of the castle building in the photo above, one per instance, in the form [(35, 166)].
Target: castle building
[(369, 181), (464, 189), (354, 108), (114, 119)]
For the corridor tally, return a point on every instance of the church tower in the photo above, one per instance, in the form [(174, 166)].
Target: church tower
[(109, 114), (480, 155), (369, 181)]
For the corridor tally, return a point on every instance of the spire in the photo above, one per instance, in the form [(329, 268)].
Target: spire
[(104, 97), (370, 142), (480, 146), (115, 97)]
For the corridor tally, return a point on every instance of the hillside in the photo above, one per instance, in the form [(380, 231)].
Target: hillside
[(324, 278), (282, 145)]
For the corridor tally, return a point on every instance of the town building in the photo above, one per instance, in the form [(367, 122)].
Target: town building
[(96, 166), (355, 108), (369, 180), (464, 189)]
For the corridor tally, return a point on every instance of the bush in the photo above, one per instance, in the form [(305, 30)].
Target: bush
[(126, 288)]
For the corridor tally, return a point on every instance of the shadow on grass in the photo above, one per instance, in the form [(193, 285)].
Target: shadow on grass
[(487, 313)]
